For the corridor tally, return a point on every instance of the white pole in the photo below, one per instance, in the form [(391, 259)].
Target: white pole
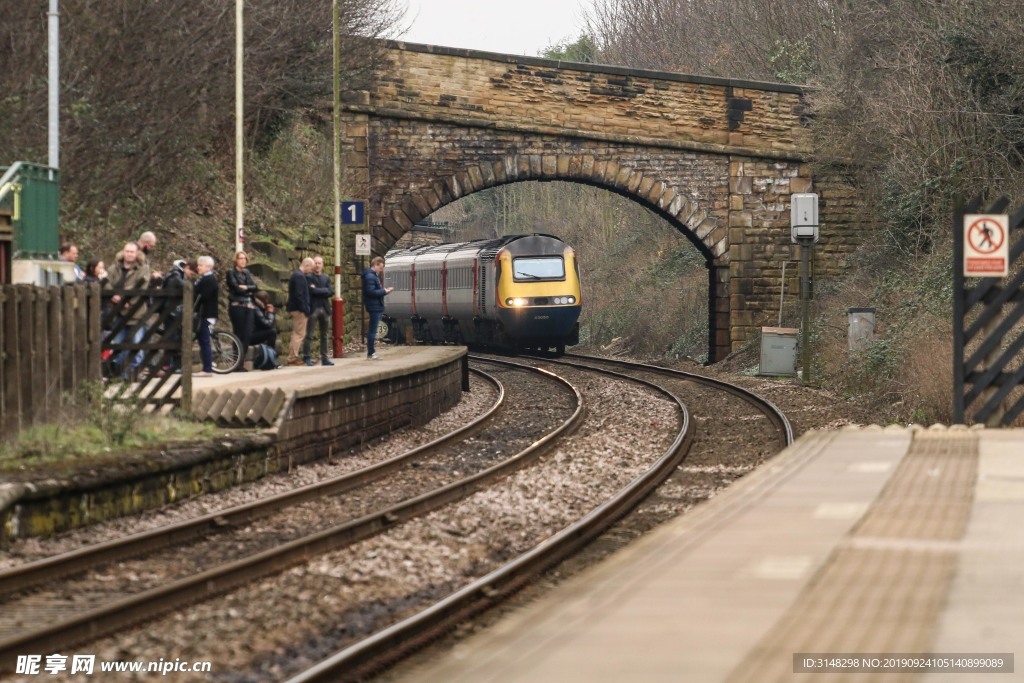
[(239, 129), (337, 147), (782, 294), (53, 51)]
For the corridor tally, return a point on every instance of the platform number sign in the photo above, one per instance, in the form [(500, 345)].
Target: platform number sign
[(362, 245), (986, 247), (352, 213)]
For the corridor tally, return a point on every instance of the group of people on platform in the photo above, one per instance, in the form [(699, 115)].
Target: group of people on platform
[(252, 316)]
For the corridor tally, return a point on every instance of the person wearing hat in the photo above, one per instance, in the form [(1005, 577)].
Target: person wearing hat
[(174, 282)]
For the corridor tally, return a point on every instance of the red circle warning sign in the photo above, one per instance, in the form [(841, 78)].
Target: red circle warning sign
[(986, 235), (985, 245)]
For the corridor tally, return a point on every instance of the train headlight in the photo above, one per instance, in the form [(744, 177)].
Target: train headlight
[(518, 302), (571, 299)]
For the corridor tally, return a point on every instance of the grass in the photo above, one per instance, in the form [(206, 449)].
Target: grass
[(60, 444), (92, 429)]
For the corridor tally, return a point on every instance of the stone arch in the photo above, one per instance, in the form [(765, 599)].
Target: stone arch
[(670, 201), (663, 197)]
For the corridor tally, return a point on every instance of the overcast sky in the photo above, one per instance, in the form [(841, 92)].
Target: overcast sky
[(519, 27)]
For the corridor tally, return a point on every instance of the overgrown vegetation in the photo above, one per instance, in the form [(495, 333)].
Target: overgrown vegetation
[(147, 102), (94, 428), (923, 98)]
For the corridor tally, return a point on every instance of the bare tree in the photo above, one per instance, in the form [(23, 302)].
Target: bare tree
[(759, 39), (147, 88)]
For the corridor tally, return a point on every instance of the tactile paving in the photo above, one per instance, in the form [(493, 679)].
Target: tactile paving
[(884, 586)]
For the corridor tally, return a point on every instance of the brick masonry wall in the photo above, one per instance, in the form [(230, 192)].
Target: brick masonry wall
[(342, 419), (716, 158)]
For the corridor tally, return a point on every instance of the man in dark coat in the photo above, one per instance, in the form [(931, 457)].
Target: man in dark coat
[(174, 283), (373, 300), (299, 307), (320, 294)]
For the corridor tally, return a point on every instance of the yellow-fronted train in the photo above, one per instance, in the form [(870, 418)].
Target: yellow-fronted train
[(513, 293)]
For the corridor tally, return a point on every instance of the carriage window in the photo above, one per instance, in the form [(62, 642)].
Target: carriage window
[(459, 278), (547, 268)]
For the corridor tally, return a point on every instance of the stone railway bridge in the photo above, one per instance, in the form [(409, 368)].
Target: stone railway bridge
[(718, 159)]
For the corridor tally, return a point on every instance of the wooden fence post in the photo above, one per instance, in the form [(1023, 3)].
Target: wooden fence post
[(10, 408), (70, 355), (186, 349), (88, 317), (25, 313), (56, 343)]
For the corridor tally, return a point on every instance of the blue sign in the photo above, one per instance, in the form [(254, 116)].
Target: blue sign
[(352, 213)]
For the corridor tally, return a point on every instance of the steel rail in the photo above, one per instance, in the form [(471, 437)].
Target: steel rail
[(151, 603), (394, 641), (771, 411), (43, 571)]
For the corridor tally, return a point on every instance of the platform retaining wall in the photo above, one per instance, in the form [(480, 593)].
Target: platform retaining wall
[(345, 418), (312, 426)]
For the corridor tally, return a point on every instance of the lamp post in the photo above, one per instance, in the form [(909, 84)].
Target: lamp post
[(338, 305), (239, 129), (804, 230), (53, 87)]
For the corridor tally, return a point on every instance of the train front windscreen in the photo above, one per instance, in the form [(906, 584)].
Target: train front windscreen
[(538, 268)]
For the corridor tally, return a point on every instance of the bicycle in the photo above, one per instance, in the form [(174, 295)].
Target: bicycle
[(225, 347)]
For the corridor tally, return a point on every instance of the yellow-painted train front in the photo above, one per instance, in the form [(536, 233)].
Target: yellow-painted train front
[(518, 292)]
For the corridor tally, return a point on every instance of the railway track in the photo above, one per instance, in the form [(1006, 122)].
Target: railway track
[(780, 422), (384, 647), (435, 608), (50, 569), (31, 594)]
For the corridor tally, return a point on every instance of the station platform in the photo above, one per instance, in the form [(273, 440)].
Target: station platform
[(282, 418), (847, 545), (262, 398)]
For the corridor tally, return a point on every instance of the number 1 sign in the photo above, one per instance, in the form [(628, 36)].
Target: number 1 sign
[(352, 213)]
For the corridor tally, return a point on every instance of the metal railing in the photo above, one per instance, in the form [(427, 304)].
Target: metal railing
[(988, 336)]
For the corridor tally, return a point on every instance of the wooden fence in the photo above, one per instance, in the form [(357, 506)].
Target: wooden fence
[(149, 336), (49, 346)]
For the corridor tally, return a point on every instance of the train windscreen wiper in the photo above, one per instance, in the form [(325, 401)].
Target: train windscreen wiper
[(527, 275)]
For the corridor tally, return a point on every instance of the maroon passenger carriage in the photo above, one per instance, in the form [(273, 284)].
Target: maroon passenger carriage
[(517, 292)]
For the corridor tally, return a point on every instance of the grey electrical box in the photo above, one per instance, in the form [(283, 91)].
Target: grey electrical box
[(803, 216), (778, 351)]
